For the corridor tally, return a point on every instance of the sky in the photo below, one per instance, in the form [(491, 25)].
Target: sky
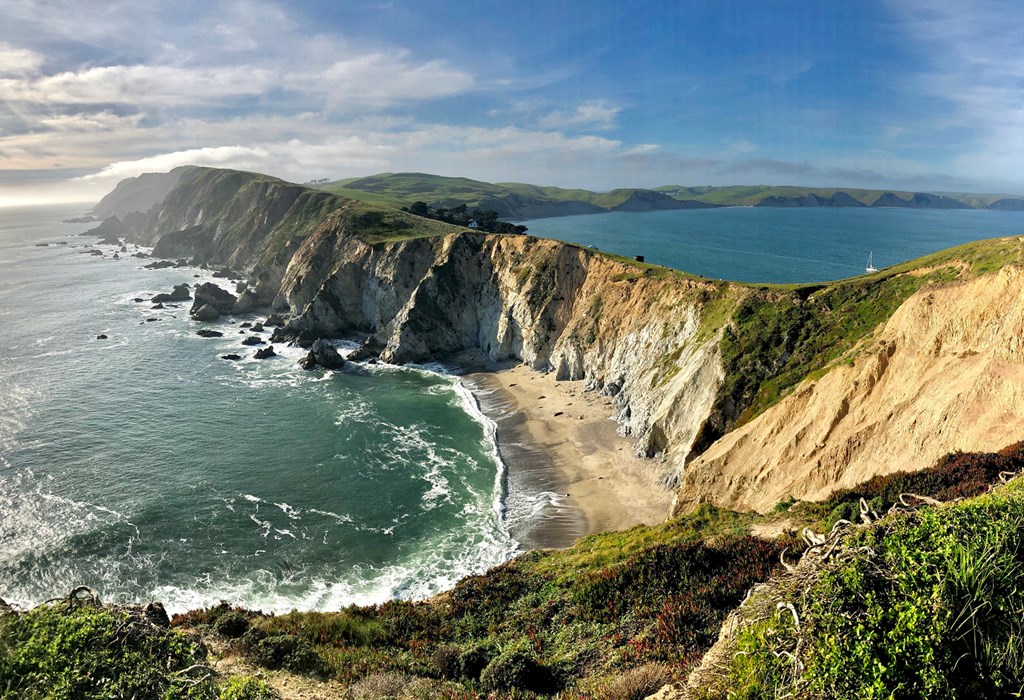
[(896, 94)]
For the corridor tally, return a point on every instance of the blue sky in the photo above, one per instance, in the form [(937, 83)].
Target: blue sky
[(907, 94)]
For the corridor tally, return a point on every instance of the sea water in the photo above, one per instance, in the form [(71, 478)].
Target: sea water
[(780, 245), (147, 467)]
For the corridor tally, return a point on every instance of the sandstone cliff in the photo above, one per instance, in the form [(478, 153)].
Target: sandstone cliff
[(944, 373)]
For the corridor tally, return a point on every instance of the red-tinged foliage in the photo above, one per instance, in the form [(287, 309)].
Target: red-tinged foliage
[(956, 475)]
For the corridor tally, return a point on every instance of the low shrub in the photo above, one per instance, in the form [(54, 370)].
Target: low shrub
[(516, 667), (636, 683), (246, 688), (231, 625), (288, 652)]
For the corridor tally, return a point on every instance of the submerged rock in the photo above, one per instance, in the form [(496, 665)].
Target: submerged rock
[(101, 336), (253, 340), (231, 356), (207, 333)]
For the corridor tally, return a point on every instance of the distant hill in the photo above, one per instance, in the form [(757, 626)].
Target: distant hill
[(512, 200), (517, 200)]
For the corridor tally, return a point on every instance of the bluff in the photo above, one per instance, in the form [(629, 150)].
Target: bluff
[(745, 394)]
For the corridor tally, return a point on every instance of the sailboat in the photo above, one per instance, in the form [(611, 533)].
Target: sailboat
[(870, 268)]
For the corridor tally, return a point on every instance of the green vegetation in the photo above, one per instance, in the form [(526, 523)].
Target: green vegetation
[(75, 648), (921, 604)]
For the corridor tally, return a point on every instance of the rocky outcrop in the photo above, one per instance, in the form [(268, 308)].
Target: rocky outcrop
[(889, 199), (322, 354), (838, 199), (517, 206), (138, 194), (109, 232), (923, 200), (179, 293), (210, 295), (943, 374)]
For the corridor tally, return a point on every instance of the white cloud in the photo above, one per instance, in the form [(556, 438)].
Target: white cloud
[(18, 61), (139, 84), (595, 114), (96, 121), (975, 63), (380, 80)]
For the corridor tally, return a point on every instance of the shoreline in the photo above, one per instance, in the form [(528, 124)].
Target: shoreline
[(568, 472)]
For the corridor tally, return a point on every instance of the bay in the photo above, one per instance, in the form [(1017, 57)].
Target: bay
[(779, 245)]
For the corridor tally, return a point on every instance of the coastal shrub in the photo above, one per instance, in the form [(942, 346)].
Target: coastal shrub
[(516, 667), (247, 688), (922, 605), (636, 683), (352, 626), (474, 659), (954, 475), (708, 575), (286, 651), (74, 650), (445, 661), (231, 625)]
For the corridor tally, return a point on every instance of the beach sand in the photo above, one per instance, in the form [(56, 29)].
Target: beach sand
[(555, 438)]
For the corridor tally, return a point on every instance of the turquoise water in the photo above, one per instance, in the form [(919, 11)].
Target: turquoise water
[(148, 468), (761, 244)]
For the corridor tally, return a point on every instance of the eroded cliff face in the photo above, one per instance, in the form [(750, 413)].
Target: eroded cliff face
[(938, 365), (635, 334), (945, 373)]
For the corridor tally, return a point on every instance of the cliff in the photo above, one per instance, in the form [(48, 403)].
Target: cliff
[(942, 374), (746, 395)]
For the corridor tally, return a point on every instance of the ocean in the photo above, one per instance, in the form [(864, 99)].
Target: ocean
[(149, 468), (779, 245)]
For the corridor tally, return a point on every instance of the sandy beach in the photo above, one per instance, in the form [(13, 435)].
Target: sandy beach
[(556, 437)]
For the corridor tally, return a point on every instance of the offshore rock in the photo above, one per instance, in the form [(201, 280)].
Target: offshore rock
[(264, 353), (179, 293), (205, 313), (209, 294), (322, 354)]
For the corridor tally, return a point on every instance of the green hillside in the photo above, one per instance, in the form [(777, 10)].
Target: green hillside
[(402, 189)]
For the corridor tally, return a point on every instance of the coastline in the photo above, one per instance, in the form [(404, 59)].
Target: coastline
[(569, 473)]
